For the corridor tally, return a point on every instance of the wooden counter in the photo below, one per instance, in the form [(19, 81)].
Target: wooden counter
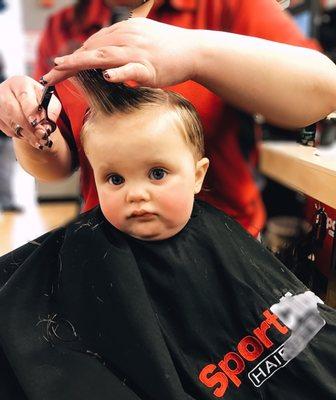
[(308, 170), (305, 169)]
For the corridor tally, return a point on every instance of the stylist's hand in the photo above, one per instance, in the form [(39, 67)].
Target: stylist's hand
[(141, 50), (19, 100)]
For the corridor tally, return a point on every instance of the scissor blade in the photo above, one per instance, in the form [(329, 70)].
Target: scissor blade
[(48, 91)]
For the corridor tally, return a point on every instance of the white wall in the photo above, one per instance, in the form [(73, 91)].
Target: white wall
[(12, 38), (35, 15)]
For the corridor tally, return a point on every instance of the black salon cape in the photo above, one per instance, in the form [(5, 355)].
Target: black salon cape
[(87, 313)]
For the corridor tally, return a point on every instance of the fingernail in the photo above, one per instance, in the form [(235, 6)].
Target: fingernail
[(50, 143), (43, 81), (106, 75), (45, 136), (40, 147), (33, 122), (48, 131), (18, 131)]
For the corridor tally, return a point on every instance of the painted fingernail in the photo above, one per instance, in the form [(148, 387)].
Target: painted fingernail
[(43, 81), (106, 75), (50, 143), (18, 130), (48, 131), (40, 147), (45, 136), (34, 123)]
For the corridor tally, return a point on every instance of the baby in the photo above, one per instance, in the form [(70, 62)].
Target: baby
[(155, 295), (147, 156)]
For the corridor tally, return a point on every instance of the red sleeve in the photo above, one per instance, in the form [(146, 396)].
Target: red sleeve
[(56, 39), (45, 51), (264, 19)]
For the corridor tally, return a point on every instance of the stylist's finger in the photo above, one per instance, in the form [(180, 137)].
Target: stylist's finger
[(54, 76), (12, 91), (143, 75), (28, 99), (104, 57)]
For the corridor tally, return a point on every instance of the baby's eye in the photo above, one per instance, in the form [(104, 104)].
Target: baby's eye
[(157, 173), (116, 179)]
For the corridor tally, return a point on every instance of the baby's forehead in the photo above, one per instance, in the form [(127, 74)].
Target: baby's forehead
[(155, 125), (151, 120), (148, 113)]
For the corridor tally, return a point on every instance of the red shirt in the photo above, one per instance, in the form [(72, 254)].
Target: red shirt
[(229, 181)]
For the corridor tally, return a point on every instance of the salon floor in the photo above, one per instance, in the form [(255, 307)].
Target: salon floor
[(35, 219)]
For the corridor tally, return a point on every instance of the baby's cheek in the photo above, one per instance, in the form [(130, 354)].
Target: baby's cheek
[(177, 204), (110, 208)]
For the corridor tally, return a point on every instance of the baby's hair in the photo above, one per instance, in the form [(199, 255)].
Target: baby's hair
[(106, 99)]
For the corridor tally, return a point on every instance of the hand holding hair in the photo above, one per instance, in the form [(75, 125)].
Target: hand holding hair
[(150, 53)]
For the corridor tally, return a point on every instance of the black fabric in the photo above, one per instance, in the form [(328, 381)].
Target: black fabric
[(87, 312)]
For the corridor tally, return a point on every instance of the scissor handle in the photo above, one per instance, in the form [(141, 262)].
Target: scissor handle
[(51, 123), (48, 91)]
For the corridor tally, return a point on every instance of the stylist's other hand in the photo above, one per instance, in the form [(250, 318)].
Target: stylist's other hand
[(19, 100), (147, 52)]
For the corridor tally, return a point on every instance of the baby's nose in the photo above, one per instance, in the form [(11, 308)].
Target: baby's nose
[(137, 193)]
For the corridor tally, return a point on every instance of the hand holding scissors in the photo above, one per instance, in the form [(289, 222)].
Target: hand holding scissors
[(27, 112)]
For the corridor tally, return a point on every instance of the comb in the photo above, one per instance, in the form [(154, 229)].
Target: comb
[(284, 3), (142, 10)]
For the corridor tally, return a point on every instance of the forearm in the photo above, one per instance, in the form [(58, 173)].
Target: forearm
[(290, 86), (47, 164)]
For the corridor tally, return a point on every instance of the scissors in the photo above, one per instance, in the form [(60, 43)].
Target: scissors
[(45, 100)]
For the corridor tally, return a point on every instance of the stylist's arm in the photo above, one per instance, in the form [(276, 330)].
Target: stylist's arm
[(288, 85)]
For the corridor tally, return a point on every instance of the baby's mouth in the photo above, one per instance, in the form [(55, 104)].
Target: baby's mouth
[(141, 214)]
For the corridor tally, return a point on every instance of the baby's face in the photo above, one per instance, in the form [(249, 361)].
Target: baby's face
[(145, 173)]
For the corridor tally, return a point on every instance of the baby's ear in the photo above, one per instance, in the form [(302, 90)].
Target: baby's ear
[(201, 169)]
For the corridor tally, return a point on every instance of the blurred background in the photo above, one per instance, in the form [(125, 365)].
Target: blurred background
[(301, 222)]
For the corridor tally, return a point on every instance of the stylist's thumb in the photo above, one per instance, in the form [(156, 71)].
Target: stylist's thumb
[(142, 74)]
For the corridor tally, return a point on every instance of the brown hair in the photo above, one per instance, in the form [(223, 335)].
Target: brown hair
[(108, 98)]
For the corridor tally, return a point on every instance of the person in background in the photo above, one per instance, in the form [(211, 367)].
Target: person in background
[(222, 70)]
